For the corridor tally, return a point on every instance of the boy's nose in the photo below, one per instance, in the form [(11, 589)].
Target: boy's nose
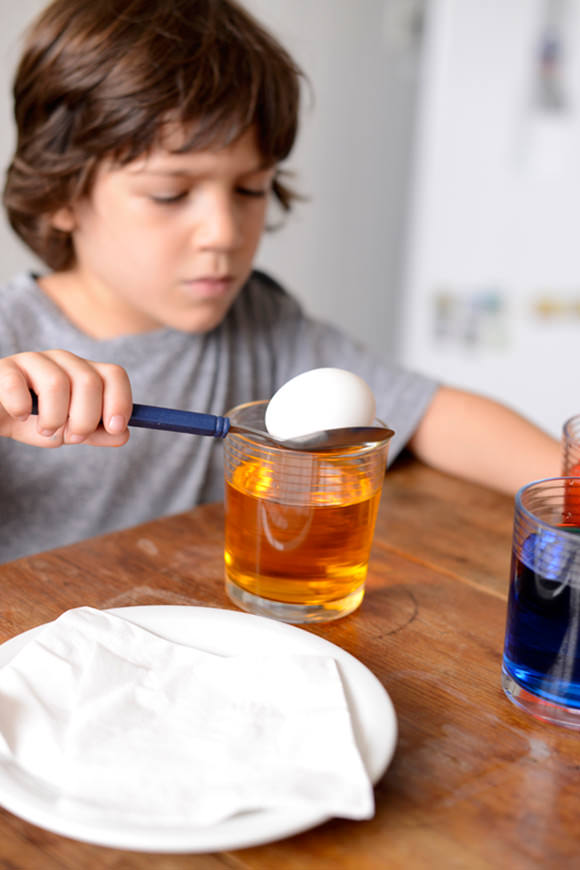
[(217, 226)]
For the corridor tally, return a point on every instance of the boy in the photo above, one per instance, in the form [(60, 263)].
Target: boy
[(150, 136)]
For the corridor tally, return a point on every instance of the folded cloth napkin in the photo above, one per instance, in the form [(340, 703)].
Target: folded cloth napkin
[(125, 726)]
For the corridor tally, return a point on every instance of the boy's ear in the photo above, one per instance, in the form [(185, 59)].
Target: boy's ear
[(63, 219)]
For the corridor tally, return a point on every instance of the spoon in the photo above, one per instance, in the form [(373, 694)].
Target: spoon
[(196, 423)]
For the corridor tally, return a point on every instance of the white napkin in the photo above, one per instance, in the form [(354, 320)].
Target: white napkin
[(126, 726)]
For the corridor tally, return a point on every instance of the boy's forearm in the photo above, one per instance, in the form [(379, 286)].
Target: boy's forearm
[(484, 441)]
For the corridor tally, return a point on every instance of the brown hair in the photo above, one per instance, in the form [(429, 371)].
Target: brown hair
[(100, 78)]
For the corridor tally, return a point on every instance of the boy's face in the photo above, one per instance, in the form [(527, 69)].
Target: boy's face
[(169, 239)]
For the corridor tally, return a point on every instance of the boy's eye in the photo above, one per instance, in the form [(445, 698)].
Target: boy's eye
[(169, 199), (249, 191)]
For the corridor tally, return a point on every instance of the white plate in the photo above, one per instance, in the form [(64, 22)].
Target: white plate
[(222, 632)]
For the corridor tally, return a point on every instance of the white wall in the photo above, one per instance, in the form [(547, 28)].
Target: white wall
[(495, 206), (340, 252)]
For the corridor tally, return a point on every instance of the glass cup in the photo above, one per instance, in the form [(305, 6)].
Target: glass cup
[(571, 447), (571, 462), (541, 660), (299, 525)]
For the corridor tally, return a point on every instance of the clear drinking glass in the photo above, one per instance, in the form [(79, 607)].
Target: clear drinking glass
[(541, 660), (299, 525), (571, 447)]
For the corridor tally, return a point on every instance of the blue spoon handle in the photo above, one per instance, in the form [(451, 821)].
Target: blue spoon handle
[(171, 420)]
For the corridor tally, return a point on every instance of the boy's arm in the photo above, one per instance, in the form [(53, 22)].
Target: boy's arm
[(482, 440)]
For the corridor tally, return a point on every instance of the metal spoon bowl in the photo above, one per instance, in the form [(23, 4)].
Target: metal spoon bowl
[(325, 439)]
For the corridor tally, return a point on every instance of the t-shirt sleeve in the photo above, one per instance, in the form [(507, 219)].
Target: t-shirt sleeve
[(300, 343)]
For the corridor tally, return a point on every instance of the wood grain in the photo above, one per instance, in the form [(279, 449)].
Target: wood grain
[(474, 783)]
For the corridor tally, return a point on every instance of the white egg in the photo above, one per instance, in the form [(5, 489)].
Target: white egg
[(325, 398)]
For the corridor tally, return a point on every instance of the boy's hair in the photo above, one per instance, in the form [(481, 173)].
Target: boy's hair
[(98, 79)]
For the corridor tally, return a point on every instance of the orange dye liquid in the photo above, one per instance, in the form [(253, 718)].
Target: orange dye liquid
[(305, 554)]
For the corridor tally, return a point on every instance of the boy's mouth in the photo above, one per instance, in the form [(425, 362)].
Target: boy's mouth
[(210, 285)]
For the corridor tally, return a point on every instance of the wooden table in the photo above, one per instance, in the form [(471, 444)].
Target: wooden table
[(474, 783)]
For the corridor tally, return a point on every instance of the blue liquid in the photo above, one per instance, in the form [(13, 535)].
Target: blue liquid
[(542, 646)]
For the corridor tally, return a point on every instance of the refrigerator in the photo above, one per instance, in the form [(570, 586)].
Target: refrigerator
[(490, 293)]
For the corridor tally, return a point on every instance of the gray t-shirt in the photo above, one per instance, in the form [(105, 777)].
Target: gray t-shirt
[(51, 497)]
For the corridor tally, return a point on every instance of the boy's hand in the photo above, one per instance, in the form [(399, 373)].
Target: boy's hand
[(74, 396)]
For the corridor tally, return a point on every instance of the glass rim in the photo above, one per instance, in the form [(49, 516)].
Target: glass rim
[(362, 450), (571, 428), (531, 517)]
